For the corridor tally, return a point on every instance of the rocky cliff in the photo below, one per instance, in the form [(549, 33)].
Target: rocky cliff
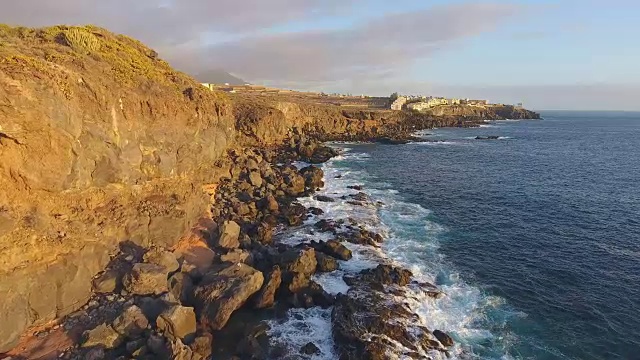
[(103, 144), (494, 112)]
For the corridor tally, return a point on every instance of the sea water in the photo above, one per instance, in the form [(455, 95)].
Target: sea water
[(533, 237)]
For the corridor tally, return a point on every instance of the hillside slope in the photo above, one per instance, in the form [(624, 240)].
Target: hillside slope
[(100, 142)]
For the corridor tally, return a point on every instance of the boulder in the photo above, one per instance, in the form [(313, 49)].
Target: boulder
[(202, 345), (177, 322), (157, 344), (310, 349), (224, 290), (316, 211), (323, 198), (326, 263), (295, 214), (255, 178), (363, 319), (333, 248), (131, 323), (146, 279), (312, 177), (264, 233), (299, 261), (294, 184), (162, 258), (181, 287), (180, 351), (229, 234), (382, 275), (107, 282), (255, 343), (325, 225), (269, 203), (152, 307), (310, 295), (93, 354), (134, 346), (252, 164), (265, 298), (363, 237), (236, 256), (361, 197), (443, 338), (295, 282), (102, 336)]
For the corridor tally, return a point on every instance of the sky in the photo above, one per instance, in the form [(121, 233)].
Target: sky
[(547, 54)]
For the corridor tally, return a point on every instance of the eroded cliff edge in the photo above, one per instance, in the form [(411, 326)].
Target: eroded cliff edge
[(102, 142)]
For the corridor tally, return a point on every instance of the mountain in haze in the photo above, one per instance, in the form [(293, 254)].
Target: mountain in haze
[(219, 77)]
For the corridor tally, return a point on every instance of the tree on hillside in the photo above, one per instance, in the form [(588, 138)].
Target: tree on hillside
[(394, 96)]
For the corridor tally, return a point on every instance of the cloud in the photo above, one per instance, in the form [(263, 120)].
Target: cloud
[(377, 46), (159, 22)]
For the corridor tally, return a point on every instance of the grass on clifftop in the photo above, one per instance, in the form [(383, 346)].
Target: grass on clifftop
[(52, 49)]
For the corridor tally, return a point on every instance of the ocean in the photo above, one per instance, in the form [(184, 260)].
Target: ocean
[(534, 237)]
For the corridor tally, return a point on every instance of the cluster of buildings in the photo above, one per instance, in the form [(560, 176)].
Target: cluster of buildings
[(421, 103), (246, 88)]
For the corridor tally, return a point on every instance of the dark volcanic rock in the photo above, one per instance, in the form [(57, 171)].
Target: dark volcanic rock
[(146, 279), (177, 322), (327, 225), (443, 338), (381, 275), (223, 291), (316, 211), (491, 137), (228, 237), (326, 263), (265, 297), (362, 197), (323, 198), (362, 323), (255, 343), (131, 323), (333, 248), (393, 141), (368, 323), (295, 214), (362, 237), (312, 177), (310, 349), (299, 261), (311, 295)]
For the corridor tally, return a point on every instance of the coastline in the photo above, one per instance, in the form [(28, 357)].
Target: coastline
[(283, 234)]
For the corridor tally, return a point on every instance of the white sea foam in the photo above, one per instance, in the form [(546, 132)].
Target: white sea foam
[(411, 240), (302, 326), (435, 143)]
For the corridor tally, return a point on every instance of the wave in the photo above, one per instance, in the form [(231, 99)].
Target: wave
[(499, 138), (435, 143), (412, 239)]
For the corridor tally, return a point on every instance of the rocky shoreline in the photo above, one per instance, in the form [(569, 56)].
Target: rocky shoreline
[(178, 303), (126, 183)]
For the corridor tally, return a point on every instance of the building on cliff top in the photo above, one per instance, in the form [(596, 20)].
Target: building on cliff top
[(398, 103)]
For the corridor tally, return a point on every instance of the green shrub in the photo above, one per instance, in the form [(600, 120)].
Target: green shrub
[(80, 40)]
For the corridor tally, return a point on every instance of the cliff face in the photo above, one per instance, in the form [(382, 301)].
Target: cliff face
[(100, 142), (496, 112)]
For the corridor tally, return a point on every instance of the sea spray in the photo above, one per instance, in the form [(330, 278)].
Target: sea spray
[(412, 241)]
